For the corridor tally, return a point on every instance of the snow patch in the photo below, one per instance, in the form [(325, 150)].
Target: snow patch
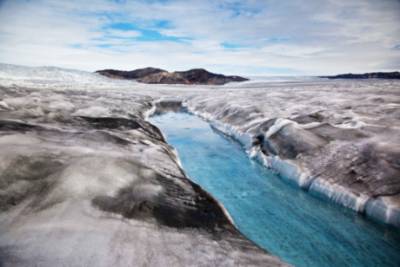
[(62, 106), (277, 126), (94, 111)]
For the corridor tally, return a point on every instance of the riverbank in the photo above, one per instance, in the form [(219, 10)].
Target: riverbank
[(270, 211)]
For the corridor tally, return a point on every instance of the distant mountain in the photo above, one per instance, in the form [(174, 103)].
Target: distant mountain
[(159, 76), (371, 75), (133, 74)]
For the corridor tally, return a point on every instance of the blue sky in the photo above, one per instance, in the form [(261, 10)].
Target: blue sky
[(267, 37)]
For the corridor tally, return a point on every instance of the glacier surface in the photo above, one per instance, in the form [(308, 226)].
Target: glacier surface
[(64, 133)]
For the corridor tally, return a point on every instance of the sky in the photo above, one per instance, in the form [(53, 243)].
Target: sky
[(269, 37)]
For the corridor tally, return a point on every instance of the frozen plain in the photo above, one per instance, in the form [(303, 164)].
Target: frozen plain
[(336, 139)]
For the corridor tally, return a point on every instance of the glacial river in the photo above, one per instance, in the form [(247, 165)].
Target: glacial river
[(299, 228)]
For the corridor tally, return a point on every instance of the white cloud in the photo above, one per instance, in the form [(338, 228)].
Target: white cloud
[(294, 37)]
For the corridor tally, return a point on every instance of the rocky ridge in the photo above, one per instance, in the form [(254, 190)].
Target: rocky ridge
[(159, 76), (129, 75), (371, 75)]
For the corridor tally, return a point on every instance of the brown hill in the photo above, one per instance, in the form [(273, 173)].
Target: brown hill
[(159, 76)]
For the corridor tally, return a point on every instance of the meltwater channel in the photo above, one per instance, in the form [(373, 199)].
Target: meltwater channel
[(299, 228)]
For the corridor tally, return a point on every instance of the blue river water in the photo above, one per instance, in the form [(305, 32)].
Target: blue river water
[(299, 228)]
